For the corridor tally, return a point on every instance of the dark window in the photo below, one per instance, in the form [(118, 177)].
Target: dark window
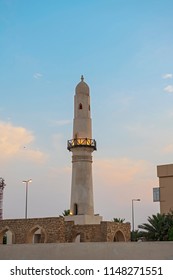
[(89, 107), (75, 209), (80, 106)]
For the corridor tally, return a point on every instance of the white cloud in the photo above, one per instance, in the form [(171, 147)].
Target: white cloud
[(167, 76), (13, 142), (61, 122), (168, 149), (58, 143), (170, 114), (169, 89), (37, 75)]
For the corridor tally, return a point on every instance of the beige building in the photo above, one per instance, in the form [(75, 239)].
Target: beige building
[(165, 174)]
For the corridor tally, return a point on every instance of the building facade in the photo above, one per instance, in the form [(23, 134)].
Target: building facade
[(57, 230), (165, 174)]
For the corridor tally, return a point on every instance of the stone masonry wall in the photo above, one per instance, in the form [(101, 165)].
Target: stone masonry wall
[(52, 229), (112, 231), (56, 230), (104, 232), (88, 233)]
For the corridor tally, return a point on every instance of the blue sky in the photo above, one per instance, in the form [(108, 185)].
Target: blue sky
[(124, 49)]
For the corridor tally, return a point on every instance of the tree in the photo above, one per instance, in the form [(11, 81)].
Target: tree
[(118, 220), (158, 227), (170, 234), (2, 182), (66, 212)]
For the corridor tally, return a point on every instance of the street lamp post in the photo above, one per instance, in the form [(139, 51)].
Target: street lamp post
[(133, 219), (26, 203)]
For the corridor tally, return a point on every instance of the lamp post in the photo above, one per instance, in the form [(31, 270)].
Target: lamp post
[(26, 204), (133, 219)]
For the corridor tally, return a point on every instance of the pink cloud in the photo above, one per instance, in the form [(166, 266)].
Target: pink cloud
[(118, 181), (13, 142), (125, 178)]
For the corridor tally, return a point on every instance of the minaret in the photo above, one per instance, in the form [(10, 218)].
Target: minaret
[(82, 146)]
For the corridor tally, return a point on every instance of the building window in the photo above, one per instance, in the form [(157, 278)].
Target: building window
[(80, 106), (75, 209), (89, 107)]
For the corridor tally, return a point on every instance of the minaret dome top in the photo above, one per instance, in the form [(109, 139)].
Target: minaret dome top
[(82, 87)]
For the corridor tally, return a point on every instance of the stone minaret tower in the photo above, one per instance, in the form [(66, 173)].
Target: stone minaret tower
[(82, 146)]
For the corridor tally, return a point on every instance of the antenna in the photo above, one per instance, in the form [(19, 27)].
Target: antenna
[(2, 185)]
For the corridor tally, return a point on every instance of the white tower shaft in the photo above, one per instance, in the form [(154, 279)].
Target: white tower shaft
[(82, 185)]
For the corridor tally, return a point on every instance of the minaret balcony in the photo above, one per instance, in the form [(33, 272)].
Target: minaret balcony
[(81, 142)]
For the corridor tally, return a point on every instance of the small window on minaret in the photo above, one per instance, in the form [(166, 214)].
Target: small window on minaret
[(80, 106), (89, 107)]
